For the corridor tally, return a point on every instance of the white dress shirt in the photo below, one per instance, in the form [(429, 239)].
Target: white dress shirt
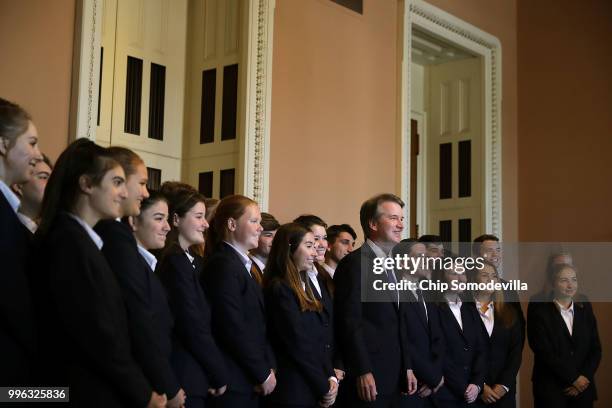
[(381, 254), (488, 316), (567, 314), (10, 196), (92, 234), (28, 222), (148, 257), (246, 259), (312, 275), (455, 307), (259, 262)]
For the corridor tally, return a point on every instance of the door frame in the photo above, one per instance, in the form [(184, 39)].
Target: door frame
[(254, 152), (418, 13)]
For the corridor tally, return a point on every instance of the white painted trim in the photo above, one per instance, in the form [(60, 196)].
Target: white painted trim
[(255, 151), (418, 13), (256, 158), (86, 69)]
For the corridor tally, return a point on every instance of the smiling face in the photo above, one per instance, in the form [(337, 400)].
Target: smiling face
[(20, 156), (245, 231), (565, 284), (137, 191), (192, 225), (305, 254), (33, 191), (491, 251), (151, 226), (388, 228), (320, 240), (106, 199), (485, 275)]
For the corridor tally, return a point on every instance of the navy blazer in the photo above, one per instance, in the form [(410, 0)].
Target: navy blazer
[(238, 319), (464, 358), (84, 331), (368, 334), (504, 350), (196, 358), (424, 338), (149, 316), (17, 335), (560, 357), (302, 343)]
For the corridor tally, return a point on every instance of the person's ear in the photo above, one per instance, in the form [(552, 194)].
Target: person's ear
[(4, 146), (132, 223), (231, 224), (373, 225), (175, 220), (17, 189), (85, 184)]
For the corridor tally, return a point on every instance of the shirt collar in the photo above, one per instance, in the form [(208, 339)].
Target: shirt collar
[(189, 256), (457, 303), (246, 261), (10, 196), (148, 257), (92, 234), (312, 272), (565, 309), (489, 305), (28, 222), (377, 250), (260, 262)]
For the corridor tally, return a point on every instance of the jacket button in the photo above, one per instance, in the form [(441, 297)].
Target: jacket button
[(327, 346), (466, 348)]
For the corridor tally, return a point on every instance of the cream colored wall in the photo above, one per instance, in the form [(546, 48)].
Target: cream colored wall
[(36, 50), (334, 84)]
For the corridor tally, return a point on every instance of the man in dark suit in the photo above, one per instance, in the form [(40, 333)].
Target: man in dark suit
[(367, 321), (423, 334)]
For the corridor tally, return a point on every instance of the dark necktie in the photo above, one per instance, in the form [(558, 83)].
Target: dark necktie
[(256, 273)]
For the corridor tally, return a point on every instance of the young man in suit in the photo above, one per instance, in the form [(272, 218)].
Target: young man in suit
[(368, 332)]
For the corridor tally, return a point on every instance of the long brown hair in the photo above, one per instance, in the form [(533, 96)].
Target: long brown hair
[(281, 268), (504, 312), (179, 204), (232, 206)]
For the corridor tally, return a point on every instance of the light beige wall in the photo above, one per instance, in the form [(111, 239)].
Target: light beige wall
[(36, 49), (334, 84), (564, 86)]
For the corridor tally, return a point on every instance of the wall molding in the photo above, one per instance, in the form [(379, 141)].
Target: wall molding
[(418, 13), (254, 154)]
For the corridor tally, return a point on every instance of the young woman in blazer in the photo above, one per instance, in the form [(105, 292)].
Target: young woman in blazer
[(563, 335), (84, 331), (299, 326), (195, 357), (18, 152), (121, 252), (503, 336), (238, 317), (464, 358)]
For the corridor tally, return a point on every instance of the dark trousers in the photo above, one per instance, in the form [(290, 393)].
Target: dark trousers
[(195, 402)]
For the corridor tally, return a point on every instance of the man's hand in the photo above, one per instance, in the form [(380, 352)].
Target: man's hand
[(268, 386), (499, 390), (178, 401), (489, 396), (339, 374), (329, 398), (424, 391), (471, 392), (581, 383), (412, 382), (571, 391), (157, 401), (366, 387)]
